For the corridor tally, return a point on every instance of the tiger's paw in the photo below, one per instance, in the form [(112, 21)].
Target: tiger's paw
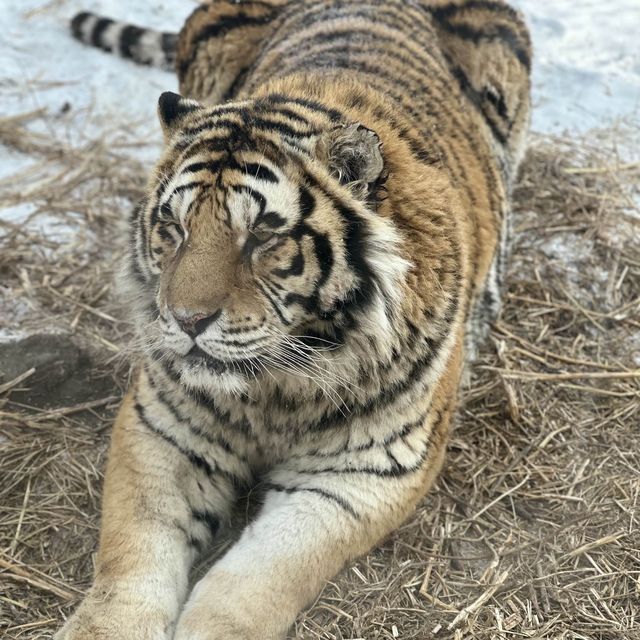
[(208, 627), (202, 622), (98, 619)]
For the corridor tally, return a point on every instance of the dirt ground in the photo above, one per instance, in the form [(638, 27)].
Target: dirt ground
[(532, 529)]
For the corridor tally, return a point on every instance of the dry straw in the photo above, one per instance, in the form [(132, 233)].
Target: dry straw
[(532, 531)]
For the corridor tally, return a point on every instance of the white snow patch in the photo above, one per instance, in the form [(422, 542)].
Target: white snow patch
[(572, 256), (44, 67), (586, 62)]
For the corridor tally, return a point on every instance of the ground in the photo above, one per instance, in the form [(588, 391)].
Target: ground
[(532, 529)]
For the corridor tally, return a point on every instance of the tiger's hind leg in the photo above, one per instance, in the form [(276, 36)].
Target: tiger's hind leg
[(218, 44), (486, 309), (487, 48), (487, 304)]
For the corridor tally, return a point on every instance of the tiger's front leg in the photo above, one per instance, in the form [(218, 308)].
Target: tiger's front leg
[(319, 513), (163, 500)]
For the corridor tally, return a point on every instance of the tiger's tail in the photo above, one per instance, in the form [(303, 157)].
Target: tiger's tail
[(143, 46)]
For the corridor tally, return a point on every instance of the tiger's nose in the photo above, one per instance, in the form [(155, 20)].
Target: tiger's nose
[(194, 323)]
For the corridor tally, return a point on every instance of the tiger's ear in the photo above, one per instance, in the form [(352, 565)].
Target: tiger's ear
[(172, 108), (353, 155)]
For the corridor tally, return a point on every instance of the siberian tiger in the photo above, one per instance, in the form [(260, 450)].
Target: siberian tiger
[(321, 243)]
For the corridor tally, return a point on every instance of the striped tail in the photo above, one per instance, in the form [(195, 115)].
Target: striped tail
[(143, 46)]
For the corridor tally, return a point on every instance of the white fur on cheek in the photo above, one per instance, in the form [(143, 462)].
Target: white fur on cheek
[(390, 268)]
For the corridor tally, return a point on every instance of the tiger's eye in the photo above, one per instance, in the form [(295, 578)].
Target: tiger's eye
[(262, 235)]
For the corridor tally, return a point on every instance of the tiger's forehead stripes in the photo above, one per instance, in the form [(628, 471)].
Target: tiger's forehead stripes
[(258, 203), (242, 123)]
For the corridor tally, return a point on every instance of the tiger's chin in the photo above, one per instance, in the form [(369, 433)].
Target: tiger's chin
[(201, 371), (203, 378)]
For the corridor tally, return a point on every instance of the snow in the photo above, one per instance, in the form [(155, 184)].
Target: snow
[(586, 62), (45, 67), (86, 92)]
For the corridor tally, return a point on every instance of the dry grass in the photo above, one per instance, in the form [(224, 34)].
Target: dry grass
[(531, 531)]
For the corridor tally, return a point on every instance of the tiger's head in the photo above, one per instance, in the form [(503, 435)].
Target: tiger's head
[(258, 244)]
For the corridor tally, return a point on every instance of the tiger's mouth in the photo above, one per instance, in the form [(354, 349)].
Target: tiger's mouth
[(198, 358)]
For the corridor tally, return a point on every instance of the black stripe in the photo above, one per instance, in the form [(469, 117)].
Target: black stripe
[(324, 255), (273, 303), (332, 497), (233, 89), (184, 187), (500, 32), (495, 97), (78, 22), (312, 105), (240, 344), (195, 459), (195, 543), (214, 120), (265, 124), (294, 269), (477, 99), (448, 10), (260, 200), (285, 112), (401, 434), (221, 28), (306, 202), (271, 219), (210, 520), (355, 240), (98, 31), (226, 24), (213, 166), (169, 43), (239, 330), (134, 270), (129, 38), (259, 171)]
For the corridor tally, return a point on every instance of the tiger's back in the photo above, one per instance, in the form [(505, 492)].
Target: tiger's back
[(338, 175)]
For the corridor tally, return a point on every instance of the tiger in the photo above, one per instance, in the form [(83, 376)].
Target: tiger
[(319, 251)]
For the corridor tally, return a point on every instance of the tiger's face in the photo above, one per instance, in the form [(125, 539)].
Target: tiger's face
[(259, 245)]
